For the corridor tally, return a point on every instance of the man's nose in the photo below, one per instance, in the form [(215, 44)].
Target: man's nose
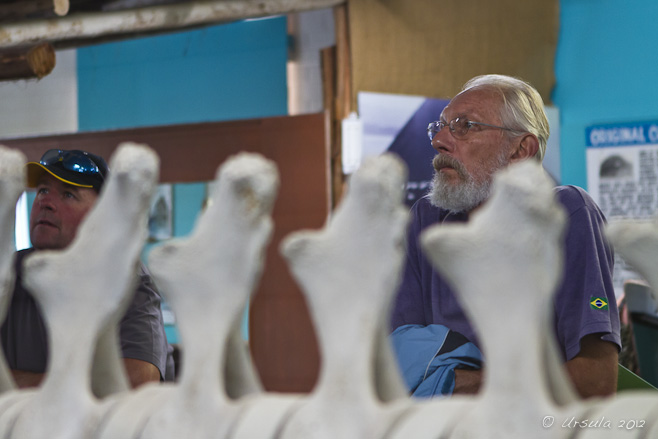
[(442, 141), (45, 201)]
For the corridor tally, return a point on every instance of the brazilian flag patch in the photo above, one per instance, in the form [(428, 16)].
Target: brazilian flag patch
[(598, 303)]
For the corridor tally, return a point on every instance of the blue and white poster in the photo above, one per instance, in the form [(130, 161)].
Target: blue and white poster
[(622, 177), (398, 124), (622, 168)]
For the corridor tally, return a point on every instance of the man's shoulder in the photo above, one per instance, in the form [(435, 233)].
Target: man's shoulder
[(574, 198), (147, 287)]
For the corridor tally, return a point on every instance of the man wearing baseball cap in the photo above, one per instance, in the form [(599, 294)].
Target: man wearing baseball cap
[(67, 184)]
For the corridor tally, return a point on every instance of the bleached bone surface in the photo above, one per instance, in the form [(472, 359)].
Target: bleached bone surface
[(125, 414), (107, 377), (637, 242), (505, 265), (349, 272), (629, 415), (431, 418), (207, 280), (81, 289), (505, 262), (12, 184), (264, 415), (11, 405)]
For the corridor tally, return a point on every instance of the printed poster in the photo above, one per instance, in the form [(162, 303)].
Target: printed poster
[(622, 177)]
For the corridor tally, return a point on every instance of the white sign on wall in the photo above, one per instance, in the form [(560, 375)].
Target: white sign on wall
[(622, 169), (622, 176)]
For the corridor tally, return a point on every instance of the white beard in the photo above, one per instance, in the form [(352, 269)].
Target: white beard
[(469, 192)]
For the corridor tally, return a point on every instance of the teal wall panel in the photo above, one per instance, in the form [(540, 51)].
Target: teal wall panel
[(227, 72), (188, 199), (606, 72)]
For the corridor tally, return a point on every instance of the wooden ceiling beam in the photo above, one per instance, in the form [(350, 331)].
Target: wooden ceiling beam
[(27, 62), (18, 11), (70, 30), (27, 9), (61, 7)]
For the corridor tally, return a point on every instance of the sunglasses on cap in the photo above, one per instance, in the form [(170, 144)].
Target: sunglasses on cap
[(73, 160)]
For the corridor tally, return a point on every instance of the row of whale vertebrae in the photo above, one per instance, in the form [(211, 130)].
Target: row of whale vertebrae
[(509, 255)]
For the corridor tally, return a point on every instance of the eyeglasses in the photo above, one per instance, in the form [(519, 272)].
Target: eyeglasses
[(459, 127), (74, 160)]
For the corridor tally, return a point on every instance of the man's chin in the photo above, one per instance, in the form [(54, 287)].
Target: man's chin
[(456, 197), (44, 241)]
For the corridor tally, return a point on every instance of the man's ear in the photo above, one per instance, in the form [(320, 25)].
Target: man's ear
[(526, 148)]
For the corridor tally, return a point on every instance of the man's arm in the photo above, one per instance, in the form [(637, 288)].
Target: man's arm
[(594, 370), (142, 335), (24, 379), (467, 382), (140, 372)]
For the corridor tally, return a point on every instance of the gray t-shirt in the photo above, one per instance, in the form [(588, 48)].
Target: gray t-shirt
[(142, 336)]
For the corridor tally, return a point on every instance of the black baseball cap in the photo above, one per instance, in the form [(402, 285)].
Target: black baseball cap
[(74, 167)]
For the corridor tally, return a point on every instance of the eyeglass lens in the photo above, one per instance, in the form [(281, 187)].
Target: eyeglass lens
[(458, 127)]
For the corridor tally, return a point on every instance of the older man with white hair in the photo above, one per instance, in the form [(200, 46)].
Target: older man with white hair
[(495, 121)]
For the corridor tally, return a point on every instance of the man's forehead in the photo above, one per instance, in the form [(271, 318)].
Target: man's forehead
[(45, 179), (472, 103)]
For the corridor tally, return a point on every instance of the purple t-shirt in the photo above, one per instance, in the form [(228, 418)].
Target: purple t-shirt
[(425, 298)]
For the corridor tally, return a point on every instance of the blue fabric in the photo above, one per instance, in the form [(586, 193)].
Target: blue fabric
[(428, 356)]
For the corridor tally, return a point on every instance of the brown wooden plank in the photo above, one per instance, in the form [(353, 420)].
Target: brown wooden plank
[(281, 334), (297, 369)]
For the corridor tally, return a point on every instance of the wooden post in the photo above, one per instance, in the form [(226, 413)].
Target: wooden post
[(343, 62), (338, 96), (25, 63), (328, 57)]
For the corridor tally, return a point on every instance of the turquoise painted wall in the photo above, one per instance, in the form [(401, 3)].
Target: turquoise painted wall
[(188, 197), (188, 200), (606, 69), (227, 72)]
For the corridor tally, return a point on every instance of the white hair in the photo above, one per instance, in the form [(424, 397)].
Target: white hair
[(523, 107)]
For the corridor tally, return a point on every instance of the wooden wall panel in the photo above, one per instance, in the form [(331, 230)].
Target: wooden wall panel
[(432, 47), (281, 334)]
